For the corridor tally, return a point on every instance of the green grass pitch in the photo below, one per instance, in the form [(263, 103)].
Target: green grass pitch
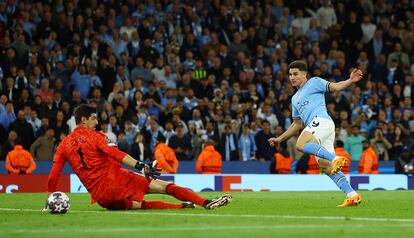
[(251, 214)]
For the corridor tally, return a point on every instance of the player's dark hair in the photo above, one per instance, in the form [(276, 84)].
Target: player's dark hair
[(83, 110), (299, 64)]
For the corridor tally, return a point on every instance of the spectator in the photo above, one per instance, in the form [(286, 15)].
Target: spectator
[(246, 145), (282, 161), (209, 161), (399, 56), (374, 48), (43, 148), (265, 113), (196, 137), (133, 46), (381, 145), (237, 46), (44, 125), (369, 160), (264, 151), (139, 149), (59, 125), (9, 144), (307, 164), (395, 74), (169, 131), (11, 92), (353, 144), (228, 144), (109, 134), (23, 129), (25, 100), (404, 164), (165, 156), (7, 117), (122, 142), (82, 81), (44, 91), (368, 29), (130, 132), (181, 143), (398, 139), (19, 160), (300, 22), (140, 72), (339, 151), (326, 15)]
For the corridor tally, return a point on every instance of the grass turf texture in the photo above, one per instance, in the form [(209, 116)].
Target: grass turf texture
[(252, 214)]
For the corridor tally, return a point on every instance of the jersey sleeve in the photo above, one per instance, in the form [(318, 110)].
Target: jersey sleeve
[(295, 113), (109, 148), (320, 84), (58, 163)]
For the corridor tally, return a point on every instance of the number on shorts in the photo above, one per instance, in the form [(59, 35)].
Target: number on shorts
[(315, 124)]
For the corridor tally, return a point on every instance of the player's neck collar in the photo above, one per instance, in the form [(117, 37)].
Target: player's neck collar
[(303, 84)]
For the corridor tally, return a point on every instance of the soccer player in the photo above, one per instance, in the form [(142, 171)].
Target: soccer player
[(97, 164), (318, 136)]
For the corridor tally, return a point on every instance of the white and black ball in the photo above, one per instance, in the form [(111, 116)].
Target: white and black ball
[(58, 203)]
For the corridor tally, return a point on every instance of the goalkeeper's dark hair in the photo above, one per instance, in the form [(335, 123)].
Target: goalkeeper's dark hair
[(83, 110), (299, 64)]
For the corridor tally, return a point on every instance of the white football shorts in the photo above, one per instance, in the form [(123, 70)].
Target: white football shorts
[(324, 131)]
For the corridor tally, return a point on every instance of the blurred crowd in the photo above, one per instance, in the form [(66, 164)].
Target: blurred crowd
[(198, 70)]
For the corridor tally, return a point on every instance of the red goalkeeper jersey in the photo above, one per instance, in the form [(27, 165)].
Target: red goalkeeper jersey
[(91, 156)]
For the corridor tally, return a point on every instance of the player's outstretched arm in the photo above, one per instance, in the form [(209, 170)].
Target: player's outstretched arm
[(292, 130), (354, 77)]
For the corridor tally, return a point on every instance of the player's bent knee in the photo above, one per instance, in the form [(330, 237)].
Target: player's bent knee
[(159, 186), (300, 146)]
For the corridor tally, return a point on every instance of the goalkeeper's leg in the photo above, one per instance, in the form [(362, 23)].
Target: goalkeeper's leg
[(154, 204), (183, 194)]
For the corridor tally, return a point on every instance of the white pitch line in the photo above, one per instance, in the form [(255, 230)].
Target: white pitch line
[(175, 229), (146, 213)]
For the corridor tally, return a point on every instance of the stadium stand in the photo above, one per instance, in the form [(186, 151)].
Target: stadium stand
[(206, 67)]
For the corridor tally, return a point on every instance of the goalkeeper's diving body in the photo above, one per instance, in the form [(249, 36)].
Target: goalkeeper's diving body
[(97, 164), (318, 136)]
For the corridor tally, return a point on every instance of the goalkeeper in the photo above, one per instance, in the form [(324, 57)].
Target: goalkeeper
[(97, 164)]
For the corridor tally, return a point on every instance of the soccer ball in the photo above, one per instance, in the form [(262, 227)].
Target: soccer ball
[(58, 203)]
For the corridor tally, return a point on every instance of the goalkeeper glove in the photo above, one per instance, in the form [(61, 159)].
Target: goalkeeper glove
[(148, 170)]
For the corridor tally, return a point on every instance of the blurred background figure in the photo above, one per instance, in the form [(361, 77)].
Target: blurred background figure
[(209, 161), (404, 164), (19, 160), (369, 160)]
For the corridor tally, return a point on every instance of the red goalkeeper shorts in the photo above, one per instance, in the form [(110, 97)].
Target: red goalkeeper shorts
[(121, 188)]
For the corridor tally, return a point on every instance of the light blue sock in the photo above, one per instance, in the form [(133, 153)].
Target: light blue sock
[(342, 183), (319, 151)]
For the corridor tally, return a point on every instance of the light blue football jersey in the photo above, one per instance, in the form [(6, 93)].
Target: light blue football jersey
[(309, 101)]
